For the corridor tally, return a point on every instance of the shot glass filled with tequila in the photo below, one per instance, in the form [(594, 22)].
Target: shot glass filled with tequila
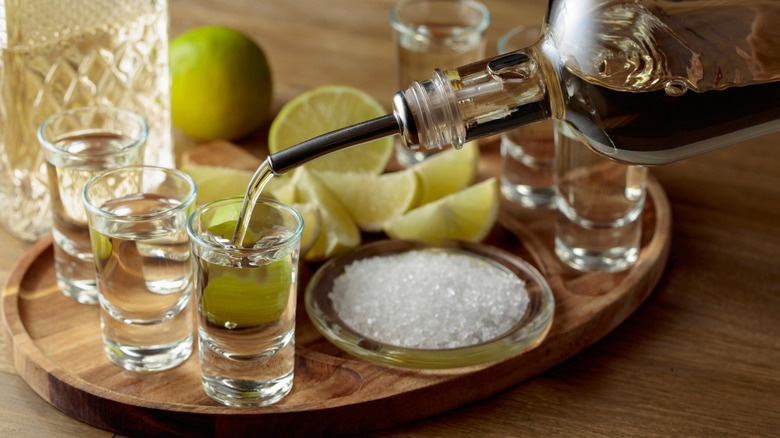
[(78, 144), (137, 218), (246, 299)]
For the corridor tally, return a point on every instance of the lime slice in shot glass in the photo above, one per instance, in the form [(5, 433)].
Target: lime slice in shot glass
[(247, 296)]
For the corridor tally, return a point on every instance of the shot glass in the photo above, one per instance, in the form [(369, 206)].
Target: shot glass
[(600, 202), (528, 152), (137, 223), (246, 299), (77, 145), (432, 34)]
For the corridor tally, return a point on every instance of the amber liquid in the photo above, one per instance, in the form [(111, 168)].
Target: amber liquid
[(643, 82), (655, 128), (657, 81)]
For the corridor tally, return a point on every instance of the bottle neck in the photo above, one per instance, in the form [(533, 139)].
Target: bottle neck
[(453, 107), (473, 101)]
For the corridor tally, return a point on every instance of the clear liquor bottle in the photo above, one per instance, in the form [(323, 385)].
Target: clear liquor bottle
[(644, 82), (64, 54)]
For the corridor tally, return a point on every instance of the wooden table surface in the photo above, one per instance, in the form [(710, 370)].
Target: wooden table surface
[(700, 358)]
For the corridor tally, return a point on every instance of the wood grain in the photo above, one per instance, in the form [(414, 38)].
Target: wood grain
[(699, 358), (57, 348)]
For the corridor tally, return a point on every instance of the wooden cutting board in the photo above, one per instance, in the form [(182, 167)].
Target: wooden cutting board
[(56, 347)]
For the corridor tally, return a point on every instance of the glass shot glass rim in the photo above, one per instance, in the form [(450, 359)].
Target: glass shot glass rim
[(196, 239), (406, 27), (50, 146), (170, 211), (501, 46)]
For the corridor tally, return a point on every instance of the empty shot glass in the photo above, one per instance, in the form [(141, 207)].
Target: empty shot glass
[(77, 145), (432, 34), (246, 300), (528, 152), (600, 202), (137, 223)]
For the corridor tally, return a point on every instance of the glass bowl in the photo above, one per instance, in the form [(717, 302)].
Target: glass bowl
[(526, 334)]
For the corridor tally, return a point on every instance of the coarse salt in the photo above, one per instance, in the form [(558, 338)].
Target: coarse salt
[(431, 299)]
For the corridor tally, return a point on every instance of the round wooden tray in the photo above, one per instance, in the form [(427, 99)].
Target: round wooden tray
[(56, 346)]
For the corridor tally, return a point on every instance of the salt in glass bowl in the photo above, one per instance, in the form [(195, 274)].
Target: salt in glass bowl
[(526, 334)]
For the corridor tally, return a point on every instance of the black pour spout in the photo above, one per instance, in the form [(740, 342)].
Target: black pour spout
[(292, 157)]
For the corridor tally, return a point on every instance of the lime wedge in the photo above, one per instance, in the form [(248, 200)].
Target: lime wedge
[(216, 182), (101, 245), (373, 199), (447, 172), (468, 215), (223, 221), (311, 225), (325, 109), (338, 232), (247, 296)]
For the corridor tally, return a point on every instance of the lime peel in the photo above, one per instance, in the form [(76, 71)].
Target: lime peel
[(101, 245), (221, 84), (468, 214), (216, 182), (311, 225), (447, 172), (338, 231), (373, 199)]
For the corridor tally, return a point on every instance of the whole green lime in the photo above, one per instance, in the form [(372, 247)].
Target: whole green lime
[(221, 85)]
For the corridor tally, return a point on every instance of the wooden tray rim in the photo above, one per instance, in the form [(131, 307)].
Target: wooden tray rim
[(17, 338)]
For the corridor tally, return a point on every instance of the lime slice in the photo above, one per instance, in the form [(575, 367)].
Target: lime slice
[(281, 189), (373, 199), (247, 296), (224, 219), (225, 229), (223, 223), (338, 232), (447, 172), (216, 182), (101, 245), (466, 215), (311, 225), (325, 109)]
